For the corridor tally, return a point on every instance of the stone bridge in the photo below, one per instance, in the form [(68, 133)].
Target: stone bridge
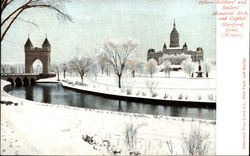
[(24, 78)]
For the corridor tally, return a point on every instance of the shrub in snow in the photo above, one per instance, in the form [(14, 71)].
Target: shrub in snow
[(165, 96), (151, 86), (180, 96), (69, 81), (199, 97), (80, 83), (134, 153), (128, 84), (170, 146), (210, 97), (144, 94), (131, 136), (115, 151), (196, 142), (129, 91)]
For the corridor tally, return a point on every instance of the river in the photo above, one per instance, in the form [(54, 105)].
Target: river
[(54, 93)]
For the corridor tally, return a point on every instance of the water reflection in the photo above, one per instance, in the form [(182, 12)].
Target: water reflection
[(56, 94)]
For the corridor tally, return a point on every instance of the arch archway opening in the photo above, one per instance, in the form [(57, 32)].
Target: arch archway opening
[(26, 81), (11, 81), (37, 67), (32, 81), (18, 82)]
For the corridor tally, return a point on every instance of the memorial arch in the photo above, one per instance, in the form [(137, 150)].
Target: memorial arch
[(34, 53)]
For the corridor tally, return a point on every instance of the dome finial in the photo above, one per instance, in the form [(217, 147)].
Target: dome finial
[(174, 23)]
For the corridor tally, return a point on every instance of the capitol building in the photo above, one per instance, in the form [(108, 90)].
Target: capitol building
[(175, 49)]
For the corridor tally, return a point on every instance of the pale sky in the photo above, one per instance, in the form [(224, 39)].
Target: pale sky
[(95, 21)]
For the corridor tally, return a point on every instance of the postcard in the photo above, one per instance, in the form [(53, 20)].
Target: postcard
[(125, 77)]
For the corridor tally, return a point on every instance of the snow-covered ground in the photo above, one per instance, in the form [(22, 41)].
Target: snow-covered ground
[(177, 87), (37, 128)]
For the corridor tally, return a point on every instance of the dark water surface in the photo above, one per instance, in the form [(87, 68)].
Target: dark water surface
[(55, 94)]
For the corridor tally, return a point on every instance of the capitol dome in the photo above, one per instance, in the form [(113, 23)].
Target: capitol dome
[(174, 37)]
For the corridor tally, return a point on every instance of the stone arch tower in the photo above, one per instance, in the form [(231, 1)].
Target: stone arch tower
[(34, 53)]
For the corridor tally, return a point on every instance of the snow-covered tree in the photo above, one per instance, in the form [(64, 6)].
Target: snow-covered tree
[(174, 59), (132, 65), (5, 68), (152, 67), (207, 67), (167, 68), (117, 56), (196, 142), (141, 67), (81, 64), (188, 67)]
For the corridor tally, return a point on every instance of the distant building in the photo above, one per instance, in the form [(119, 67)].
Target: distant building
[(174, 48)]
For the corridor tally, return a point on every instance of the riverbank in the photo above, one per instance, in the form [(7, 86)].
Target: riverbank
[(170, 92), (57, 129)]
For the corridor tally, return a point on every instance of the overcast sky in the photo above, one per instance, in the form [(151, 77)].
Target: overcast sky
[(148, 21)]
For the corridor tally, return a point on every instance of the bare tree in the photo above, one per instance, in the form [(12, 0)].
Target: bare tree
[(64, 67), (196, 142), (56, 68), (11, 15), (81, 64), (117, 55), (102, 62), (152, 67), (94, 69), (207, 67)]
